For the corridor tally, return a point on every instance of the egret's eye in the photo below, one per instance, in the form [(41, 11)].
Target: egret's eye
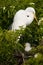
[(27, 15)]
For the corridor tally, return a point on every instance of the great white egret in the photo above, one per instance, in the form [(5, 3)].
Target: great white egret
[(23, 18)]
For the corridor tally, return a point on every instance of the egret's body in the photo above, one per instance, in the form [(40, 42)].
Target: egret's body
[(19, 20)]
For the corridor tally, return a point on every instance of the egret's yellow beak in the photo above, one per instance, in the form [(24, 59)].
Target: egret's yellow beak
[(35, 18)]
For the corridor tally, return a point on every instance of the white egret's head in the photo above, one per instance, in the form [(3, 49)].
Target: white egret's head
[(32, 10)]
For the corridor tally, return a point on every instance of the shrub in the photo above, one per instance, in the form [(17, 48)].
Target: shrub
[(9, 47)]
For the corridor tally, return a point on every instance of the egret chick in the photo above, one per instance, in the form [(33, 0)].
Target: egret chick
[(27, 47)]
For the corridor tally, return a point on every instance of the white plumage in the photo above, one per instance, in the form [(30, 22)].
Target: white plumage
[(23, 18)]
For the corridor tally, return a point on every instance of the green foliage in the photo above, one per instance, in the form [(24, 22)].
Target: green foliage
[(9, 46), (32, 33), (35, 61)]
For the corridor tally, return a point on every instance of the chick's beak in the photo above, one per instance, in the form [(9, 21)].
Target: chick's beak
[(35, 18)]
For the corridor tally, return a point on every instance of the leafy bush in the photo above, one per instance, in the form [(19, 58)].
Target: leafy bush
[(10, 48)]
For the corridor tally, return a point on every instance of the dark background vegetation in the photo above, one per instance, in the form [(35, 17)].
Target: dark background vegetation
[(32, 34)]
